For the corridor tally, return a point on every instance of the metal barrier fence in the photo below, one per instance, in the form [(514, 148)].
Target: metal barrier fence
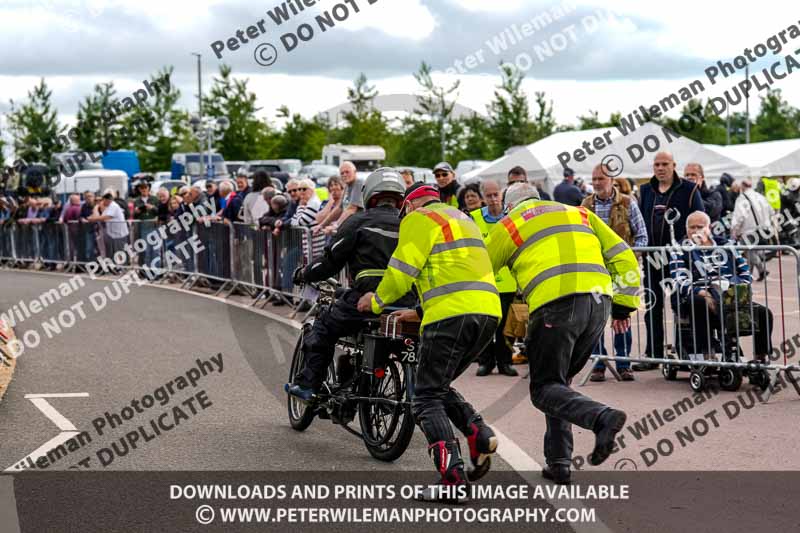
[(692, 314), (696, 312), (226, 257)]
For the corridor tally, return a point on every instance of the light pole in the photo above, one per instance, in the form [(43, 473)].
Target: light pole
[(208, 129)]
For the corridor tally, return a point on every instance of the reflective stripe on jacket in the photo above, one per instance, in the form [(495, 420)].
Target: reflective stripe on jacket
[(504, 280), (441, 252), (555, 250)]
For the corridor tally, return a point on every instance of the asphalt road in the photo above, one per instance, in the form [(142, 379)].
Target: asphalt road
[(153, 337), (136, 345)]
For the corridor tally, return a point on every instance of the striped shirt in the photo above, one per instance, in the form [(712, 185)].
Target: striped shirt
[(702, 265), (306, 217)]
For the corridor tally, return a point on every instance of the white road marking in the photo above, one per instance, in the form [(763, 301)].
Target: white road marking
[(58, 395), (68, 429), (529, 470)]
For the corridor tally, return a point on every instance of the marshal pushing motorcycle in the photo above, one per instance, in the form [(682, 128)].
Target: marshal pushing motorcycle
[(364, 243)]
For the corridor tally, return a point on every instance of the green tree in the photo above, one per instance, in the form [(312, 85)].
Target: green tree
[(475, 139), (434, 105), (156, 128), (776, 119), (34, 127), (418, 142), (592, 121), (544, 123), (95, 126), (365, 124), (698, 122), (509, 113), (247, 137), (302, 139)]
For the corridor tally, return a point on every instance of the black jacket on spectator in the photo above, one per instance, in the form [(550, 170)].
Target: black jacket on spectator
[(366, 240), (712, 202), (291, 209), (682, 195), (162, 214), (217, 201)]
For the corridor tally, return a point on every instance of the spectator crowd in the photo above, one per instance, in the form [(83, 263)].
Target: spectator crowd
[(663, 211)]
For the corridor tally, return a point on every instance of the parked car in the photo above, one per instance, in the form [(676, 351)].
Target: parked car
[(272, 166), (319, 173), (233, 166), (162, 175)]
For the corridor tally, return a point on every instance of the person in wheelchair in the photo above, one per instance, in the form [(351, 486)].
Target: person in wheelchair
[(705, 282), (364, 243)]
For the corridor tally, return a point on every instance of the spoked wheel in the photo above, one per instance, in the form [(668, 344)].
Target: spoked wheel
[(301, 414), (386, 428)]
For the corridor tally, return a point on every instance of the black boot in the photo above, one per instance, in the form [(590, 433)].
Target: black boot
[(452, 487), (506, 370), (482, 444)]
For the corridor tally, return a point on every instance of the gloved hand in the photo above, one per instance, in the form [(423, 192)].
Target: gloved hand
[(297, 277)]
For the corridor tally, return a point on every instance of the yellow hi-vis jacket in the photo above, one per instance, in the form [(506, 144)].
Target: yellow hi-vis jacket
[(772, 191), (440, 251), (555, 250), (503, 278)]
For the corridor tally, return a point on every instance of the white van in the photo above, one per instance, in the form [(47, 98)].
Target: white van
[(365, 158), (96, 181)]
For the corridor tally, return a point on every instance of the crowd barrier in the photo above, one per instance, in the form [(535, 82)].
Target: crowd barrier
[(747, 322), (760, 318), (225, 257)]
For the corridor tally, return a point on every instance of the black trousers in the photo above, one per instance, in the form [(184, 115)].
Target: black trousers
[(448, 347), (498, 353), (343, 318), (561, 335), (654, 316), (706, 326)]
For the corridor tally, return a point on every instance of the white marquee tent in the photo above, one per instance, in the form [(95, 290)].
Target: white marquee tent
[(768, 159), (635, 150)]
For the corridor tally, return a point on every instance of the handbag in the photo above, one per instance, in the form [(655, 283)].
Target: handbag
[(516, 325)]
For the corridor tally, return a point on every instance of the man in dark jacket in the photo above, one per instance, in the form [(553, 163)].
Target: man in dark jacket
[(364, 243), (567, 192), (665, 191), (728, 197), (712, 199)]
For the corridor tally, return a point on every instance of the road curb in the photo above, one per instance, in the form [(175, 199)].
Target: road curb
[(7, 363)]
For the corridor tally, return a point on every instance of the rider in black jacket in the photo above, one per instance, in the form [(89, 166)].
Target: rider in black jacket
[(365, 243)]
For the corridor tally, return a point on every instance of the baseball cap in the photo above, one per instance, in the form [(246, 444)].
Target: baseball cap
[(444, 165), (568, 172)]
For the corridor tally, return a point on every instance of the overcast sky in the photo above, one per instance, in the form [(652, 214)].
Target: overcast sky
[(603, 60)]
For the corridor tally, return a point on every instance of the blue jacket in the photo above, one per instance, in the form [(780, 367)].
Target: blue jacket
[(696, 265), (683, 195)]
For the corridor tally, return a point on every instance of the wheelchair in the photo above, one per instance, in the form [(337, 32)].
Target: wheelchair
[(722, 345)]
